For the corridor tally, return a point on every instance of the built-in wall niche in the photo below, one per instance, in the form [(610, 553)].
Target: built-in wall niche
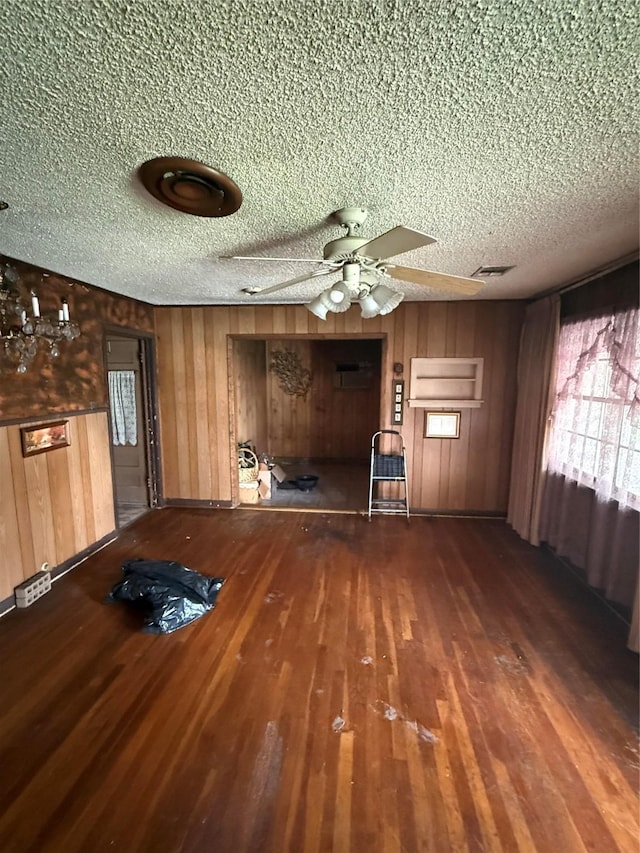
[(446, 382), (351, 375)]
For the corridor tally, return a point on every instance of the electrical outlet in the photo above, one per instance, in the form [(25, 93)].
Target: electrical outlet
[(33, 588)]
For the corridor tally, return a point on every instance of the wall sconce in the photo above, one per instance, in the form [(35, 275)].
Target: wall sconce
[(22, 332)]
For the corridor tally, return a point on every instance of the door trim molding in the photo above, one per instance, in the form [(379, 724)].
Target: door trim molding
[(148, 373)]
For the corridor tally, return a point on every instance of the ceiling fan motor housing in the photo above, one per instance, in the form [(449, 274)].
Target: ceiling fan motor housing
[(343, 248), (351, 218)]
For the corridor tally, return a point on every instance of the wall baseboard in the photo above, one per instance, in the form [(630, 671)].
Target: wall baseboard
[(9, 603), (195, 504)]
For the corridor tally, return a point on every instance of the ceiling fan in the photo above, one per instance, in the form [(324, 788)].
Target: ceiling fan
[(365, 265)]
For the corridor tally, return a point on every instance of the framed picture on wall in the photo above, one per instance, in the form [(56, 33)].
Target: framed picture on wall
[(442, 425), (43, 437)]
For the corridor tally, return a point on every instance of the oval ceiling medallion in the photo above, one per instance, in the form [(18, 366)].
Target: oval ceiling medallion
[(190, 186)]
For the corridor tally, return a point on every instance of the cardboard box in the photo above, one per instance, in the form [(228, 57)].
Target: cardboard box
[(278, 473), (264, 484)]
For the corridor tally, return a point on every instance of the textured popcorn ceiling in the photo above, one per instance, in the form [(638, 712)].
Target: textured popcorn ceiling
[(507, 129)]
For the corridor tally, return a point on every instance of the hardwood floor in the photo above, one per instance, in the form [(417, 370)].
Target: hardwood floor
[(438, 686)]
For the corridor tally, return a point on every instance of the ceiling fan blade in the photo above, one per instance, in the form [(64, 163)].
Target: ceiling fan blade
[(283, 284), (282, 260), (437, 280), (395, 242)]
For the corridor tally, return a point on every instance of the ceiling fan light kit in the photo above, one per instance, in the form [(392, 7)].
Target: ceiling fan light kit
[(363, 262)]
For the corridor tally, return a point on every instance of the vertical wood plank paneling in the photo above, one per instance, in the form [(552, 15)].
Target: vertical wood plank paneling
[(85, 452), (203, 472), (10, 552), (166, 403), (40, 510), (20, 495), (60, 498), (479, 431), (461, 461), (101, 480), (78, 496), (60, 503), (279, 315), (411, 434), (211, 355), (264, 322), (302, 322), (497, 369), (342, 419), (251, 392), (289, 415), (191, 420), (444, 475), (179, 355), (247, 320), (433, 347), (222, 325)]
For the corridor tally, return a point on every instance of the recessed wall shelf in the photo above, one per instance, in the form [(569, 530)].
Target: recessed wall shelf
[(446, 382)]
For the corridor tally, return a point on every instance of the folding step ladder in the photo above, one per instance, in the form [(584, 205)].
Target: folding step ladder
[(385, 468)]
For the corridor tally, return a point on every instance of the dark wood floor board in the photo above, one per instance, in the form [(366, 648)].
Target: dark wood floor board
[(437, 686)]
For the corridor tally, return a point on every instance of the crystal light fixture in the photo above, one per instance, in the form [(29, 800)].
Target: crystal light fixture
[(22, 332)]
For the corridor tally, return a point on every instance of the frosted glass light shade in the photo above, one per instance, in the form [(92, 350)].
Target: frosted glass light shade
[(369, 306), (340, 296), (386, 298), (320, 306)]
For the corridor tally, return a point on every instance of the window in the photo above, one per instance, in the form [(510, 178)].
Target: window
[(595, 427)]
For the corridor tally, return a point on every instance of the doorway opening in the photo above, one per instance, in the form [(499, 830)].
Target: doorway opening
[(321, 427), (132, 421)]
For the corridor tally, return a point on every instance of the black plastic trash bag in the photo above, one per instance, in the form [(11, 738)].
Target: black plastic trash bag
[(173, 595)]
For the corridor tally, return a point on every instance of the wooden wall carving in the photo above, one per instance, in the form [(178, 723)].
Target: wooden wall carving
[(294, 378)]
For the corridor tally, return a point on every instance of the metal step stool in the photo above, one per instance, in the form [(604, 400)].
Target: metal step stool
[(386, 468)]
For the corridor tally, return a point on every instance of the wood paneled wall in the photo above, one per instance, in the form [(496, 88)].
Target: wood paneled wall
[(344, 419), (54, 504), (328, 422), (290, 417), (470, 473), (249, 386)]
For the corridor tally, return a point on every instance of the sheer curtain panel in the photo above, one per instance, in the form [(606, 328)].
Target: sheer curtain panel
[(595, 435), (592, 492)]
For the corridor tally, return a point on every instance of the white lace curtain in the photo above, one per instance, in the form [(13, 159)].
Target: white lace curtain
[(122, 398), (595, 427)]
